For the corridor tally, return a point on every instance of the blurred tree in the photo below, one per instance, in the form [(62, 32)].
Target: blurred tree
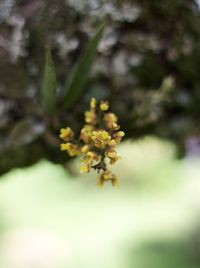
[(148, 67)]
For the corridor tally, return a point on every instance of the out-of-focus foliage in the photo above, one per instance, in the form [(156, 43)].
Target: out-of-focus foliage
[(145, 45), (48, 219), (80, 73), (49, 85), (177, 253)]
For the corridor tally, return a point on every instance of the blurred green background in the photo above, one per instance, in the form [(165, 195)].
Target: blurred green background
[(50, 218), (143, 56)]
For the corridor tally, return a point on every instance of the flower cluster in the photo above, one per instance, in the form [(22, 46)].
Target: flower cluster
[(97, 141)]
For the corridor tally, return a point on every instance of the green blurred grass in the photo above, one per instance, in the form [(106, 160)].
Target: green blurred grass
[(158, 199)]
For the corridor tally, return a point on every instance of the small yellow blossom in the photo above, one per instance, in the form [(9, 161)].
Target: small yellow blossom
[(100, 138), (86, 133), (85, 149), (64, 146), (114, 126), (85, 168), (110, 120), (90, 117), (93, 103), (110, 117), (90, 157), (118, 136), (97, 141), (72, 149), (107, 176), (66, 134), (94, 156), (115, 182), (100, 182), (104, 105), (112, 143), (112, 155)]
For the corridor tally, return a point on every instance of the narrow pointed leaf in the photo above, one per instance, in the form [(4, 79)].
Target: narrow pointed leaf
[(49, 85), (79, 75)]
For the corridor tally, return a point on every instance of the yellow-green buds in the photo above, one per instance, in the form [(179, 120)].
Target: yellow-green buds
[(93, 103), (104, 105), (66, 134), (97, 141), (100, 139), (72, 149), (107, 176)]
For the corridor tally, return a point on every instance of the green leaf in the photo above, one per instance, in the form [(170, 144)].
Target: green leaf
[(49, 85), (79, 75)]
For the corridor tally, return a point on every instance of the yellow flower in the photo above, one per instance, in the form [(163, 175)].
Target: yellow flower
[(72, 149), (118, 136), (110, 117), (85, 149), (110, 120), (93, 103), (85, 168), (115, 182), (107, 176), (66, 134), (100, 182), (92, 155), (97, 141), (86, 133), (100, 138), (104, 105), (90, 158), (90, 117), (112, 143), (64, 146), (112, 155), (113, 126)]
